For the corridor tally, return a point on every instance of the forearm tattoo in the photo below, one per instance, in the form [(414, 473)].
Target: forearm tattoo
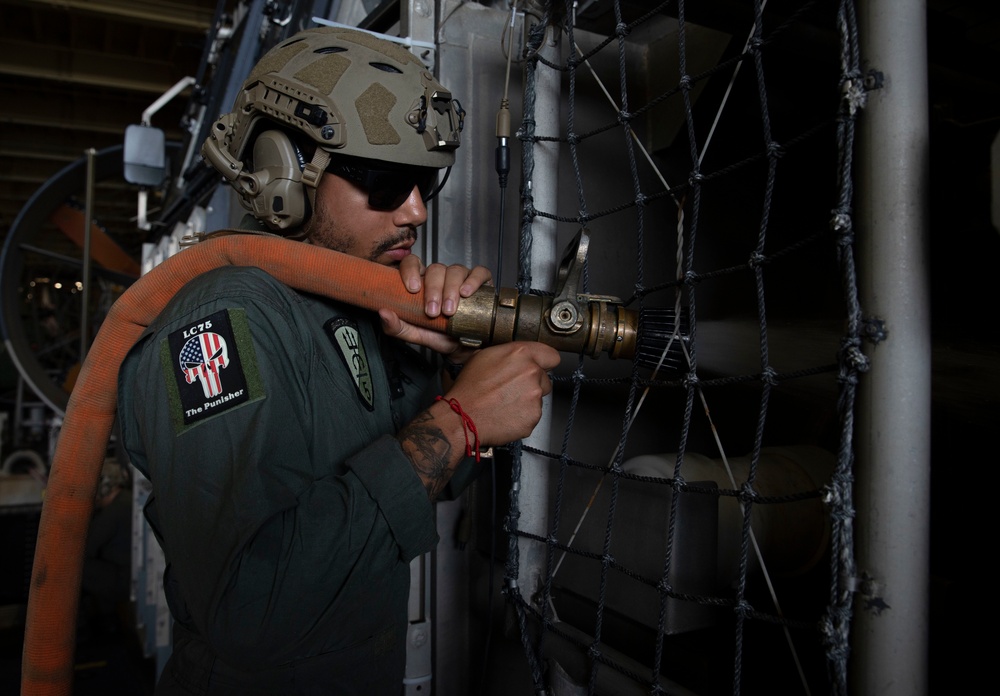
[(429, 451)]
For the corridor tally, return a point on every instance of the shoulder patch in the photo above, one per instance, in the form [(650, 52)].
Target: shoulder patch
[(210, 367), (344, 335)]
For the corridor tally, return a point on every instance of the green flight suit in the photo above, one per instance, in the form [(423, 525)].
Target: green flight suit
[(286, 510)]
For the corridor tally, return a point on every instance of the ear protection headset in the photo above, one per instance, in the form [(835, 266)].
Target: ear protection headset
[(276, 193), (281, 189)]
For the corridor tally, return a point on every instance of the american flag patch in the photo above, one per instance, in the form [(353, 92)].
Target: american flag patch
[(203, 358), (206, 367)]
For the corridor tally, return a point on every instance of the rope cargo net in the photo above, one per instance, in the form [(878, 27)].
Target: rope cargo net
[(741, 221)]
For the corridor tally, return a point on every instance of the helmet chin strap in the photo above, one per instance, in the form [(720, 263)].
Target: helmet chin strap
[(313, 172), (311, 175)]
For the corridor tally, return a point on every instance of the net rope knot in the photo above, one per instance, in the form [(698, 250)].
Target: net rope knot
[(769, 376)]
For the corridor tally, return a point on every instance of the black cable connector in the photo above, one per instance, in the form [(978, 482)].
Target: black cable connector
[(502, 164), (502, 161), (503, 135)]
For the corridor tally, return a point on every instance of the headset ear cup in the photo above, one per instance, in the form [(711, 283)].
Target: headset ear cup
[(280, 201)]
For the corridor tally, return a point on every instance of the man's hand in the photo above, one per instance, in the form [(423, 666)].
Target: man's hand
[(443, 287), (500, 389)]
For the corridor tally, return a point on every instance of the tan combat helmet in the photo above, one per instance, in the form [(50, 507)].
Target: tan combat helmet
[(347, 91)]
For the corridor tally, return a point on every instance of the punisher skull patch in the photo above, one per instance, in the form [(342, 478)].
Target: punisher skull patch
[(205, 367), (343, 334)]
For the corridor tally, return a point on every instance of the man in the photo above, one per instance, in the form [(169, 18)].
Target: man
[(294, 444)]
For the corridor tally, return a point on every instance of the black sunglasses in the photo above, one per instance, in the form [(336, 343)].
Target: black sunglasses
[(388, 187)]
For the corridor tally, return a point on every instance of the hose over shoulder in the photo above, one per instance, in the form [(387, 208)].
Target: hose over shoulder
[(49, 642)]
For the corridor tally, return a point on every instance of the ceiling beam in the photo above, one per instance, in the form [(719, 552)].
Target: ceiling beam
[(58, 63), (12, 153), (50, 116), (182, 16)]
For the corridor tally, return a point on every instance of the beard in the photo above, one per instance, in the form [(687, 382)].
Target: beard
[(325, 230)]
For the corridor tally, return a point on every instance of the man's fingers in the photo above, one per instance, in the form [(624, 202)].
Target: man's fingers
[(461, 282), (411, 270), (395, 327), (546, 384), (392, 325), (454, 280), (445, 286), (547, 357), (477, 277), (434, 279)]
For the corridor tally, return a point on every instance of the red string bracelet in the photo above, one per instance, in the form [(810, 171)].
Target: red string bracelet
[(467, 425)]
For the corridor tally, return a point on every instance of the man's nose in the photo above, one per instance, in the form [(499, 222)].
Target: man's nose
[(412, 211)]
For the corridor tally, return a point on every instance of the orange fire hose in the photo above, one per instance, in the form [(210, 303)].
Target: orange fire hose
[(49, 639)]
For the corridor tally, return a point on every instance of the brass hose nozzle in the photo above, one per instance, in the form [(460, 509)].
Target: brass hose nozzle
[(571, 321), (600, 324)]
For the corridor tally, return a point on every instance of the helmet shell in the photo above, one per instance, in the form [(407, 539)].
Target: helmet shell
[(351, 93)]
